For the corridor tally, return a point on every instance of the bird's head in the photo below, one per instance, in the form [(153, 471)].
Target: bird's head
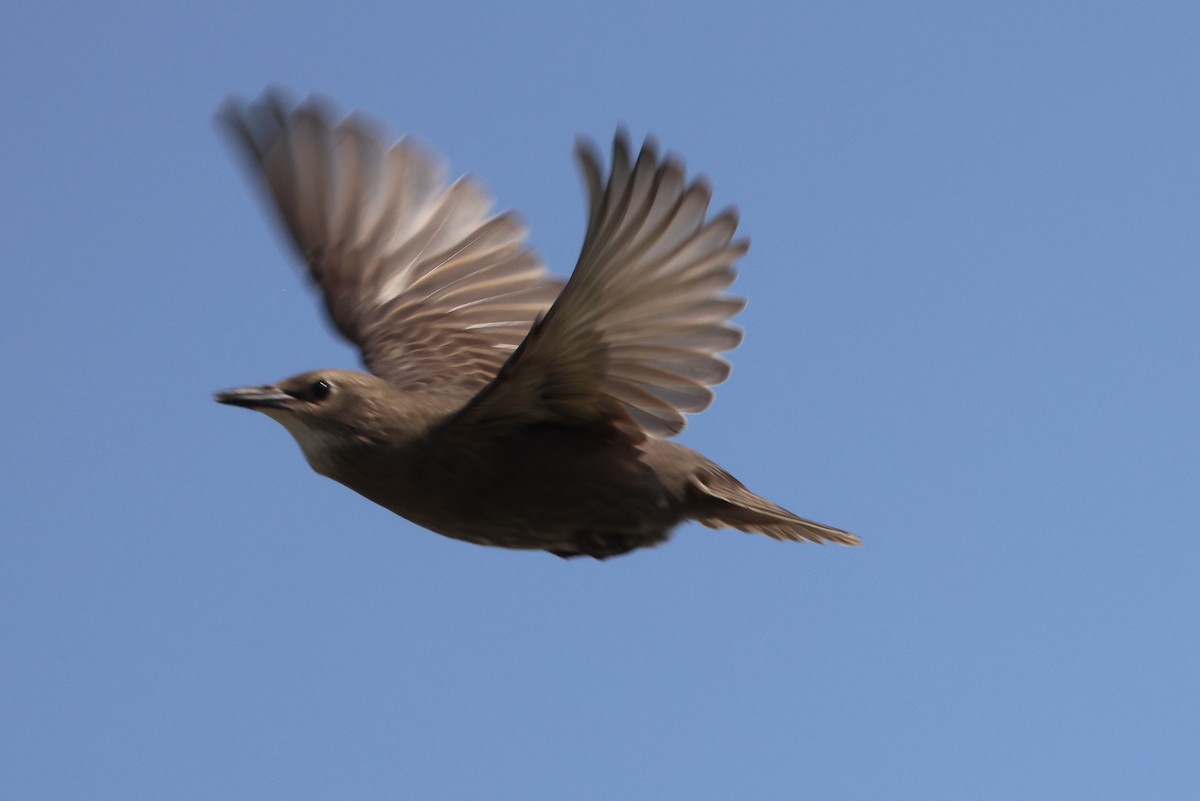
[(326, 411)]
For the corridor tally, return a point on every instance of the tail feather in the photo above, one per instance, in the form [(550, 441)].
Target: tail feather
[(723, 502)]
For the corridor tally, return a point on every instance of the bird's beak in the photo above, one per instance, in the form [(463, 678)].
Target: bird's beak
[(264, 397)]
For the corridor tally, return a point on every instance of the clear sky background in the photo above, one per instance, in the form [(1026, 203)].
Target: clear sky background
[(972, 334)]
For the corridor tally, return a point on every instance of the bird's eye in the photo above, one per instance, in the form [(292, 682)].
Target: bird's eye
[(319, 390)]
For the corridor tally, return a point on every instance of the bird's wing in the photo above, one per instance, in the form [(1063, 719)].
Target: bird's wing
[(634, 336), (434, 290)]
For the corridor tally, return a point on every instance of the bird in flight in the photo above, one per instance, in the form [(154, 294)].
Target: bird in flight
[(503, 407)]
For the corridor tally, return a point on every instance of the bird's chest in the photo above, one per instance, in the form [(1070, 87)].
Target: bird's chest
[(535, 491)]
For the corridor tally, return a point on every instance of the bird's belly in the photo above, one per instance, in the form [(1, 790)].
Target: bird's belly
[(550, 493), (552, 519)]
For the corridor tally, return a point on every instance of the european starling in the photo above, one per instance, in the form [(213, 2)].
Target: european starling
[(502, 406)]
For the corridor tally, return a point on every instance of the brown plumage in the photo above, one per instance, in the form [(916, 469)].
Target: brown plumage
[(502, 407)]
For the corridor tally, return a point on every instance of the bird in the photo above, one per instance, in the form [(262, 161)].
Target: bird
[(502, 406)]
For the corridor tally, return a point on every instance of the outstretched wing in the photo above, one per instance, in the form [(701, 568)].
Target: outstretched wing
[(634, 336), (434, 290)]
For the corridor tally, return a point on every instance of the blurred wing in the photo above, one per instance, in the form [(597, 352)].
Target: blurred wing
[(434, 290), (634, 336)]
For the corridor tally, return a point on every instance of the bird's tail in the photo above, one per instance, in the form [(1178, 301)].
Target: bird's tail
[(721, 501)]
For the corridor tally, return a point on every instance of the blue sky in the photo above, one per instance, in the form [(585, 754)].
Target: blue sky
[(971, 339)]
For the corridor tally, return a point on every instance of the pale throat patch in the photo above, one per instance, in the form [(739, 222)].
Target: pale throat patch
[(317, 444)]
